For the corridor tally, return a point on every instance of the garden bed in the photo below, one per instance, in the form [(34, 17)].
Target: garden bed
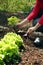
[(30, 55)]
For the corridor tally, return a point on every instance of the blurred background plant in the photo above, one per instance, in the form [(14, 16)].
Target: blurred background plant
[(16, 5), (13, 20)]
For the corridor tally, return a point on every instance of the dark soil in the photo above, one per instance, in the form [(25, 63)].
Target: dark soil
[(30, 54)]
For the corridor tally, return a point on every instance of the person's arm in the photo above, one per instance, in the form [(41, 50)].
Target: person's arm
[(22, 23), (30, 16), (40, 23), (32, 29), (35, 11), (37, 26)]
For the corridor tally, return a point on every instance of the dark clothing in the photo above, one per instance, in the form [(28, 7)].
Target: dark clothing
[(35, 20), (40, 29)]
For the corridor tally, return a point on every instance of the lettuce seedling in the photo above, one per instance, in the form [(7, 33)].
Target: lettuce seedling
[(13, 20)]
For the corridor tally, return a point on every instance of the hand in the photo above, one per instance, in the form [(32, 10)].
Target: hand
[(22, 23), (18, 25), (30, 30)]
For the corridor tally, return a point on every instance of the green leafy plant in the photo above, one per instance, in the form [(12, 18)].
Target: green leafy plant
[(1, 59), (13, 20), (16, 5), (9, 48), (13, 38)]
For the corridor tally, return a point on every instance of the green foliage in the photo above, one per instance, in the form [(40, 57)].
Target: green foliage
[(13, 38), (16, 5), (9, 48), (13, 20), (1, 59)]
